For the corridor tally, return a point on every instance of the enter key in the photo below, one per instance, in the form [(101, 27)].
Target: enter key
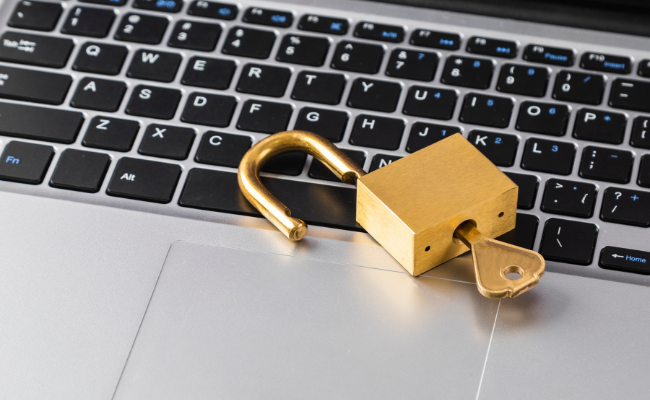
[(627, 260)]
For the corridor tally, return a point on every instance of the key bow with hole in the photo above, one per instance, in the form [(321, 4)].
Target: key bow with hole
[(424, 209)]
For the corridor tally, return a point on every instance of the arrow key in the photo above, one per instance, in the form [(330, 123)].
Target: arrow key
[(624, 206), (627, 260), (569, 198)]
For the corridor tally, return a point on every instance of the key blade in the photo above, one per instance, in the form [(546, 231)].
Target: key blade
[(495, 260)]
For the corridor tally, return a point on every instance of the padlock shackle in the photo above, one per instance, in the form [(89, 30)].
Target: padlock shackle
[(263, 200)]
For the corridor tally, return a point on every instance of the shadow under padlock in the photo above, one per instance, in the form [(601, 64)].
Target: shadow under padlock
[(424, 209)]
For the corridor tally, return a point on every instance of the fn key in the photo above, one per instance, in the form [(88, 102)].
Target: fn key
[(144, 180)]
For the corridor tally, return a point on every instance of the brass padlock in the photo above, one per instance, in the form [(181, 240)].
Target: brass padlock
[(424, 209)]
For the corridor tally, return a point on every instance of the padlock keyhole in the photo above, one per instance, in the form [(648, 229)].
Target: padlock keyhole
[(453, 236)]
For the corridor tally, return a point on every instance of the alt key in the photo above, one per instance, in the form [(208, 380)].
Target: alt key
[(626, 260)]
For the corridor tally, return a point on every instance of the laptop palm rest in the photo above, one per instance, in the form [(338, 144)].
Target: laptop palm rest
[(229, 323)]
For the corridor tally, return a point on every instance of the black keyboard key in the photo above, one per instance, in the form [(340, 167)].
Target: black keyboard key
[(644, 68), (385, 33), (318, 23), (154, 65), (330, 124), (144, 180), (599, 126), (545, 118), (39, 123), (37, 15), (625, 206), (435, 40), (264, 80), (606, 62), (88, 21), (500, 148), (429, 102), (247, 42), (579, 87), (374, 95), (424, 134), (468, 72), (605, 164), (98, 94), (106, 2), (31, 85), (644, 171), (319, 87), (264, 16), (153, 102), (492, 47), (641, 133), (626, 260), (209, 73), (44, 51), (212, 9), (80, 170), (167, 141), (549, 55), (377, 132), (486, 110), (326, 205), (100, 58), (318, 170), (304, 50), (569, 198), (528, 185), (209, 109), (382, 160), (569, 241), (286, 164), (141, 28), (264, 116), (357, 57), (524, 233), (195, 35), (522, 79), (409, 64), (25, 162), (222, 149), (630, 95), (548, 156), (110, 133), (172, 6)]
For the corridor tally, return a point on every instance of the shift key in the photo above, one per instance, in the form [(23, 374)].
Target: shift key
[(39, 123), (34, 86), (30, 49), (627, 260)]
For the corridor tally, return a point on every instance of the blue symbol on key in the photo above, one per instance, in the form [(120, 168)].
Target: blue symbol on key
[(165, 4), (444, 132), (224, 11), (437, 95), (635, 197), (608, 118), (490, 103), (335, 26), (477, 64), (279, 19), (497, 140), (389, 35), (12, 160), (575, 188), (551, 111), (420, 56), (587, 79), (554, 149), (614, 156), (531, 71)]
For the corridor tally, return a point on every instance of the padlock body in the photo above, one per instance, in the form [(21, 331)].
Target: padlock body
[(413, 206)]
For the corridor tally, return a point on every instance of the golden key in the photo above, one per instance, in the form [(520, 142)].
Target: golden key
[(424, 209)]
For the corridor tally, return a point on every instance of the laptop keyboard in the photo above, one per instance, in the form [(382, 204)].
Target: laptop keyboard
[(158, 101)]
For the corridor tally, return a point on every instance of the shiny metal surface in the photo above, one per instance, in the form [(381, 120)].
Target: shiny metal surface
[(231, 324), (524, 33)]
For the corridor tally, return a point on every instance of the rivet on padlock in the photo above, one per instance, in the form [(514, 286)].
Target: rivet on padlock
[(424, 209)]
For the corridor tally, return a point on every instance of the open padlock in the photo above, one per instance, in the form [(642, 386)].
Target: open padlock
[(424, 209)]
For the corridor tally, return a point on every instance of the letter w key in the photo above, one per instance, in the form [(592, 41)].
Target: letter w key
[(154, 66)]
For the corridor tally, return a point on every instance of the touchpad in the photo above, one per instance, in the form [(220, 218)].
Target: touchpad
[(230, 323)]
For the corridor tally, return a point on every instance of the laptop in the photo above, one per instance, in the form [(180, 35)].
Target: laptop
[(131, 266)]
